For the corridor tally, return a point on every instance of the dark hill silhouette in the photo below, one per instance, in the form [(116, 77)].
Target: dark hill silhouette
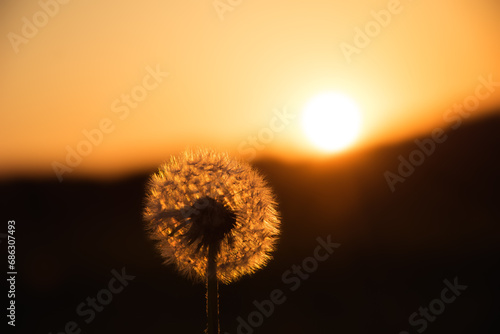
[(396, 247)]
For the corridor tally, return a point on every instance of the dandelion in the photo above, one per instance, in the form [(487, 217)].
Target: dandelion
[(213, 217)]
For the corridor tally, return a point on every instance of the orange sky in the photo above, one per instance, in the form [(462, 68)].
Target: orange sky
[(226, 78)]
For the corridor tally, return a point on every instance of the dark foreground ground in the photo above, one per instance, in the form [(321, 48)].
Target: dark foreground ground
[(396, 250)]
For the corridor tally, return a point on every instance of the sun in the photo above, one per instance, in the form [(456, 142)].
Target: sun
[(331, 121)]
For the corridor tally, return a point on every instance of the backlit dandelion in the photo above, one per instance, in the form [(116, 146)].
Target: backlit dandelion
[(212, 216)]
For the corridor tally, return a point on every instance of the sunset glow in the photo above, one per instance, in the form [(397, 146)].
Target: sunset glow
[(331, 121), (84, 93)]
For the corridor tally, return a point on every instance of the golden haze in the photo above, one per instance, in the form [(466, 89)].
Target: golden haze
[(225, 77)]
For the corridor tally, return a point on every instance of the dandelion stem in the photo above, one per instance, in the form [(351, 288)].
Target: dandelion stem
[(212, 292)]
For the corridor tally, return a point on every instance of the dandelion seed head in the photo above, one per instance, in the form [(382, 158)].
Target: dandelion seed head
[(202, 198)]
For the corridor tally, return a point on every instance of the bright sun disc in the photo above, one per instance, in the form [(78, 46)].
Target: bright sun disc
[(331, 121)]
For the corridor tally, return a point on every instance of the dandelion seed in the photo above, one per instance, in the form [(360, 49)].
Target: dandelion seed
[(212, 216)]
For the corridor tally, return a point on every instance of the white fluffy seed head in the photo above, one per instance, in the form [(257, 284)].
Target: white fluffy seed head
[(177, 209)]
